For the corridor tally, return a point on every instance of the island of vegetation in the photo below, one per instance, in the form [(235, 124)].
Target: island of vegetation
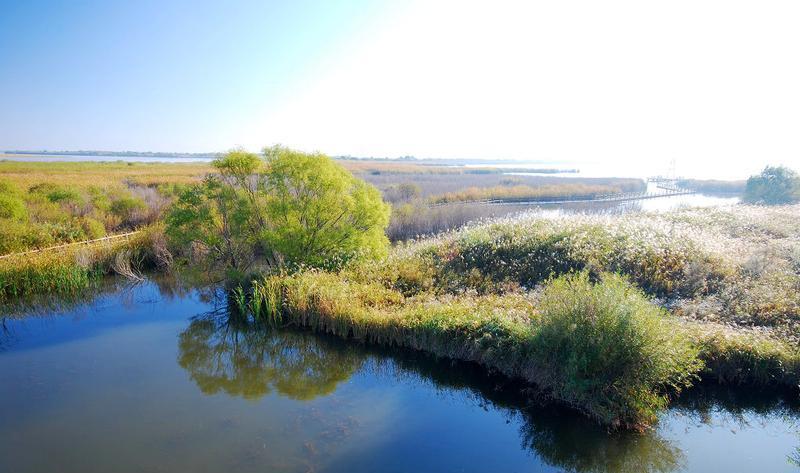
[(613, 315)]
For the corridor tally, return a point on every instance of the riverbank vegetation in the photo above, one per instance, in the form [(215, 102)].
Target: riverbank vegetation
[(727, 278), (599, 347), (521, 192), (713, 186), (74, 269), (611, 314)]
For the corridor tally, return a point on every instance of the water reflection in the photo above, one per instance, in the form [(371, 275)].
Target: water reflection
[(557, 436), (574, 446), (243, 358), (325, 404)]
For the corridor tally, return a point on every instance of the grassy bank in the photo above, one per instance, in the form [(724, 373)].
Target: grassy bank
[(618, 366), (703, 293), (69, 271)]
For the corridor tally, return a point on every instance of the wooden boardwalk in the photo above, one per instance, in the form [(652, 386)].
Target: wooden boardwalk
[(124, 236), (665, 191)]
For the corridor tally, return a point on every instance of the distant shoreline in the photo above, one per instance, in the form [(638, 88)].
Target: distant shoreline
[(479, 165), (111, 154)]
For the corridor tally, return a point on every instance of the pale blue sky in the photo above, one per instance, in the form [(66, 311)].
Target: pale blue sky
[(711, 84), (157, 75)]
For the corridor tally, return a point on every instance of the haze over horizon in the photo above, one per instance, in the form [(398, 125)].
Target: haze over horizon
[(615, 85)]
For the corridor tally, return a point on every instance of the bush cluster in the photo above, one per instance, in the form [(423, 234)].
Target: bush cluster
[(47, 214)]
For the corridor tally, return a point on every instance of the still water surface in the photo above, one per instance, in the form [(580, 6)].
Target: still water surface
[(153, 379)]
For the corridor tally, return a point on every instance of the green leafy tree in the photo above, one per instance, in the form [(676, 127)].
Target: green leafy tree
[(218, 215), (291, 206), (321, 214), (774, 186)]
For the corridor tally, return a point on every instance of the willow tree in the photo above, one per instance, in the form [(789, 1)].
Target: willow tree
[(220, 215), (319, 213), (290, 207)]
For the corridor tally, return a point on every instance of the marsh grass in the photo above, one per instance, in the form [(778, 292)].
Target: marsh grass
[(522, 192), (239, 300), (73, 269), (621, 372), (263, 300), (743, 357), (102, 174), (610, 314), (607, 346)]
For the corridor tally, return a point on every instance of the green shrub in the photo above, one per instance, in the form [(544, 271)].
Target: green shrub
[(65, 195), (56, 193), (125, 206), (12, 208), (606, 349), (92, 228), (12, 236)]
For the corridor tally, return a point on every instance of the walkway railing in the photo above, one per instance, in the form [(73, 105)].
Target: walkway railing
[(77, 243), (621, 197)]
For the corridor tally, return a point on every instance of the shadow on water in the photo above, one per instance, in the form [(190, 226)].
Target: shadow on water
[(241, 357)]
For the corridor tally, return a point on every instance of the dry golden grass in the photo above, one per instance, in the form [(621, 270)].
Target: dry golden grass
[(395, 167), (28, 173)]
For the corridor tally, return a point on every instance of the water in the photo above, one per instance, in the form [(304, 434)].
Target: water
[(75, 158), (151, 378), (660, 204)]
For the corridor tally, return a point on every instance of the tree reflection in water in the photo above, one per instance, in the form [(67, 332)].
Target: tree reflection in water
[(244, 358)]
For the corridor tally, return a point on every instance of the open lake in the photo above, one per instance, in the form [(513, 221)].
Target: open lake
[(151, 378)]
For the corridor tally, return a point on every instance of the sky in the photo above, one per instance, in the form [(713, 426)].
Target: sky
[(712, 85)]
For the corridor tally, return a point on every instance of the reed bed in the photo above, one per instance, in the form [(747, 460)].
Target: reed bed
[(71, 270), (714, 186), (619, 370), (636, 307), (526, 193)]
